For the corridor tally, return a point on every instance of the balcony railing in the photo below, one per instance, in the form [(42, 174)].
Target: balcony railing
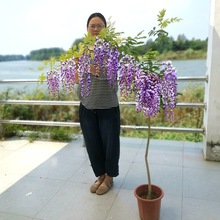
[(76, 103)]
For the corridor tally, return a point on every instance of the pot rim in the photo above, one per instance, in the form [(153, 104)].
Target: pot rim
[(149, 200)]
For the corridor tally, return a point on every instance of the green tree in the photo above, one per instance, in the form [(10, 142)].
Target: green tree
[(77, 41), (45, 53), (165, 44), (181, 43), (197, 44)]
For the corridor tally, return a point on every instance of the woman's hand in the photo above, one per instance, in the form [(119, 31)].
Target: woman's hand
[(76, 74), (93, 70)]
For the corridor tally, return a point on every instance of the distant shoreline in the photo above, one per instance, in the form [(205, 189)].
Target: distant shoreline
[(179, 55)]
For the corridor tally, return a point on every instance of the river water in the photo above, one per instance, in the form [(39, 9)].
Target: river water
[(29, 70)]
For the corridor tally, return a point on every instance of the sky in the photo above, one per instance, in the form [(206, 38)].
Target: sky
[(27, 25)]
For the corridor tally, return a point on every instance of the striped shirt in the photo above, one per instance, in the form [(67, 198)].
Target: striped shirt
[(102, 95)]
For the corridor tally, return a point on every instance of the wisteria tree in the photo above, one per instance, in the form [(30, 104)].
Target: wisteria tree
[(153, 83)]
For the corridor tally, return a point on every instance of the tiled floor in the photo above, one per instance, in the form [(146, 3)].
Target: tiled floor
[(50, 181)]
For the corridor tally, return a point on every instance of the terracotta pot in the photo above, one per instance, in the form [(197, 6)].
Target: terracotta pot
[(149, 209)]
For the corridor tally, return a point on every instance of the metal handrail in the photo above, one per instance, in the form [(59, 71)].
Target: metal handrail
[(19, 81), (76, 103), (181, 78), (39, 102), (190, 78), (77, 124)]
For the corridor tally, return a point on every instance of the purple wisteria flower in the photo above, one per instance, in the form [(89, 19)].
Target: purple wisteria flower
[(101, 54), (169, 88), (112, 67), (84, 74), (128, 69), (53, 82), (68, 70), (148, 87)]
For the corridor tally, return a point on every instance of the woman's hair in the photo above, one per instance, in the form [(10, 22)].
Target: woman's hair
[(96, 14)]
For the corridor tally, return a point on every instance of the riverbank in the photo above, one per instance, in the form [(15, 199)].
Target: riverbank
[(183, 55)]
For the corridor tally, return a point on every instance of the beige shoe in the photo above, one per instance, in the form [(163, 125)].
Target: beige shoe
[(104, 187), (96, 184)]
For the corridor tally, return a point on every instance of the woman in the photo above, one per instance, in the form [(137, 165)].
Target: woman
[(100, 121)]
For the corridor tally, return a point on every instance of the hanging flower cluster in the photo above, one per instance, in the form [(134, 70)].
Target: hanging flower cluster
[(68, 70), (101, 53), (151, 88), (106, 61), (53, 82), (84, 74), (148, 89), (112, 67), (169, 88), (129, 68)]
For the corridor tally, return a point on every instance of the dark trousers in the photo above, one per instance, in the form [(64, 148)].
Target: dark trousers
[(101, 131)]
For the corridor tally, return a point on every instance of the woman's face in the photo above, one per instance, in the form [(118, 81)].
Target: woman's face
[(95, 25)]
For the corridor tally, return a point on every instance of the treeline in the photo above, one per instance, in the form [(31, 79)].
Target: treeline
[(194, 48), (169, 44), (45, 53), (11, 57), (41, 54)]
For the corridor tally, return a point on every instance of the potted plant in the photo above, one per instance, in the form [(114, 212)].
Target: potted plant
[(153, 83)]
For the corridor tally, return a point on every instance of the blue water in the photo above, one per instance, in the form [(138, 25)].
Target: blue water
[(29, 70), (20, 70)]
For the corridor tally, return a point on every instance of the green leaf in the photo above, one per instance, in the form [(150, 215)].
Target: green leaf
[(41, 78)]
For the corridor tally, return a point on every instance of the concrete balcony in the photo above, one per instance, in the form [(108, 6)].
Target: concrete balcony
[(47, 180)]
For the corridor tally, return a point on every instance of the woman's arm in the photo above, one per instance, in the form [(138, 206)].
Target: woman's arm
[(77, 74)]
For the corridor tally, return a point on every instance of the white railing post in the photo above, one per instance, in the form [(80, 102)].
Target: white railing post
[(212, 87)]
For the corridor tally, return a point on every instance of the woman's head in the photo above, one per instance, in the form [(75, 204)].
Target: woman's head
[(95, 23)]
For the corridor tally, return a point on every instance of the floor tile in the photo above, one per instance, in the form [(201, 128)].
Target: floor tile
[(7, 180), (56, 169), (8, 216), (167, 177), (162, 156), (28, 196), (195, 209), (74, 201), (13, 143), (171, 207), (4, 153), (29, 157), (124, 207), (201, 184), (193, 158)]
